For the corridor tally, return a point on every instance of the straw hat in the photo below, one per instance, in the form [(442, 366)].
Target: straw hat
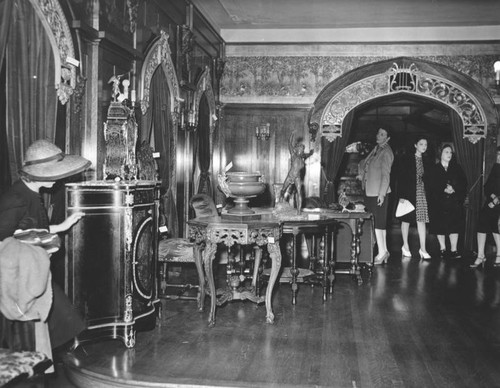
[(44, 161)]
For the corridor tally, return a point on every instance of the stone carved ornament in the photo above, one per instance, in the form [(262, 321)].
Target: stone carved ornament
[(408, 80)]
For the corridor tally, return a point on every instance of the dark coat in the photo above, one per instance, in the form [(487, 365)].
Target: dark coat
[(407, 182), (492, 185), (446, 213), (489, 216), (21, 208)]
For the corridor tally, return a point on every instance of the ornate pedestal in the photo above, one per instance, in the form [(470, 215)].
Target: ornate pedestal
[(112, 257)]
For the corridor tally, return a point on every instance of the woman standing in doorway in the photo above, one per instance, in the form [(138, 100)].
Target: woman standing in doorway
[(411, 188), (489, 215), (447, 187), (375, 176)]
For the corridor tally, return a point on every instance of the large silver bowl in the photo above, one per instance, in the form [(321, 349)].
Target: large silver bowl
[(241, 186)]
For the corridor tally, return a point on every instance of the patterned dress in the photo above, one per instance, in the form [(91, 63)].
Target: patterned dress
[(421, 204)]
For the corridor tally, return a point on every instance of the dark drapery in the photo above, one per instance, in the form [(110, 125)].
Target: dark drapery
[(331, 158), (5, 18), (158, 123), (204, 155), (28, 110), (470, 158), (31, 102)]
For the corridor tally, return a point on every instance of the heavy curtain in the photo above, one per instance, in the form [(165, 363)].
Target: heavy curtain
[(204, 184), (5, 17), (470, 158), (158, 125), (331, 158), (31, 102), (27, 110)]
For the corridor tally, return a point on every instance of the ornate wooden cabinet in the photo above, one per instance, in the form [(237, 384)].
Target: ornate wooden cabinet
[(112, 257)]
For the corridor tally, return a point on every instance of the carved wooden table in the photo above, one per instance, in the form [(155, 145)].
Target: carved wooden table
[(355, 221), (210, 231)]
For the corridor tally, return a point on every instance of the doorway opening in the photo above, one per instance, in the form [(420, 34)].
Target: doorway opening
[(407, 117)]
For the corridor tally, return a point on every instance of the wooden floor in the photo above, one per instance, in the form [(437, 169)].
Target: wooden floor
[(411, 324)]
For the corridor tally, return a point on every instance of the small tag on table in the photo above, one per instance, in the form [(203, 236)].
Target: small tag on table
[(163, 229)]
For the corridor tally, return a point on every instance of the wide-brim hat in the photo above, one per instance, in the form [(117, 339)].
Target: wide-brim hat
[(45, 161)]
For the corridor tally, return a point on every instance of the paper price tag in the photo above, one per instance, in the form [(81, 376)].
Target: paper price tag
[(270, 240), (163, 229), (156, 155), (73, 61)]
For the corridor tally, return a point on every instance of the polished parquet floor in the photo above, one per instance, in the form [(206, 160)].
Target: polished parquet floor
[(410, 324)]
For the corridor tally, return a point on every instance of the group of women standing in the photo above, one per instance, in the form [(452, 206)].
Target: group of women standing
[(437, 193)]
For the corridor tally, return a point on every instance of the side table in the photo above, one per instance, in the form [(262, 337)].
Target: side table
[(208, 232)]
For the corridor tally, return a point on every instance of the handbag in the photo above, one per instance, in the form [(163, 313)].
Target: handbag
[(404, 207)]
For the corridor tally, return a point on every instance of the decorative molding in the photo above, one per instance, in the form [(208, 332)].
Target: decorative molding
[(160, 55), (78, 94), (296, 79), (56, 25), (132, 8), (404, 80), (204, 85)]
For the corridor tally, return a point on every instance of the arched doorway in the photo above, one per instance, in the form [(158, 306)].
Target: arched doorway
[(422, 84)]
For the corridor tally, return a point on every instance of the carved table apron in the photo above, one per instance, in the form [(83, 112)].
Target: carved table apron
[(207, 232)]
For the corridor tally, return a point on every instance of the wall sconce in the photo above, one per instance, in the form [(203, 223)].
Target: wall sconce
[(496, 66), (187, 120), (191, 120), (262, 132)]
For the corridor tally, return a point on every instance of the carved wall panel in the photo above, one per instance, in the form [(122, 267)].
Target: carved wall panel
[(295, 78)]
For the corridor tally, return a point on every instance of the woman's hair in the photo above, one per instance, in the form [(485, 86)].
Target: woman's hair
[(387, 129), (420, 137), (442, 148)]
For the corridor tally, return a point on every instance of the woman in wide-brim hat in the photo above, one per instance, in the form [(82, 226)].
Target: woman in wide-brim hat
[(21, 208)]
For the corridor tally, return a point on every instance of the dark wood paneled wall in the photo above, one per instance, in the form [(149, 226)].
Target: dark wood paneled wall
[(270, 157)]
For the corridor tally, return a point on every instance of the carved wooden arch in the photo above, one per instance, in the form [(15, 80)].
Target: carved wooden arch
[(58, 32), (403, 75), (204, 85), (159, 54)]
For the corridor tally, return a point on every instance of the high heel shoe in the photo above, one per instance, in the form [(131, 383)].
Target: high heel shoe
[(405, 252), (479, 262), (382, 259), (455, 255), (424, 255), (443, 253), (497, 261)]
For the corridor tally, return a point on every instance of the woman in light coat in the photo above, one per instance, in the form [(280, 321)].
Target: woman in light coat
[(375, 174)]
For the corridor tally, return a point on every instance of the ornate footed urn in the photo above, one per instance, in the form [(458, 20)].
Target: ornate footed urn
[(241, 186)]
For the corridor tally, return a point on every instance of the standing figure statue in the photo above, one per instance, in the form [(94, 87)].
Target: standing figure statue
[(296, 172)]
